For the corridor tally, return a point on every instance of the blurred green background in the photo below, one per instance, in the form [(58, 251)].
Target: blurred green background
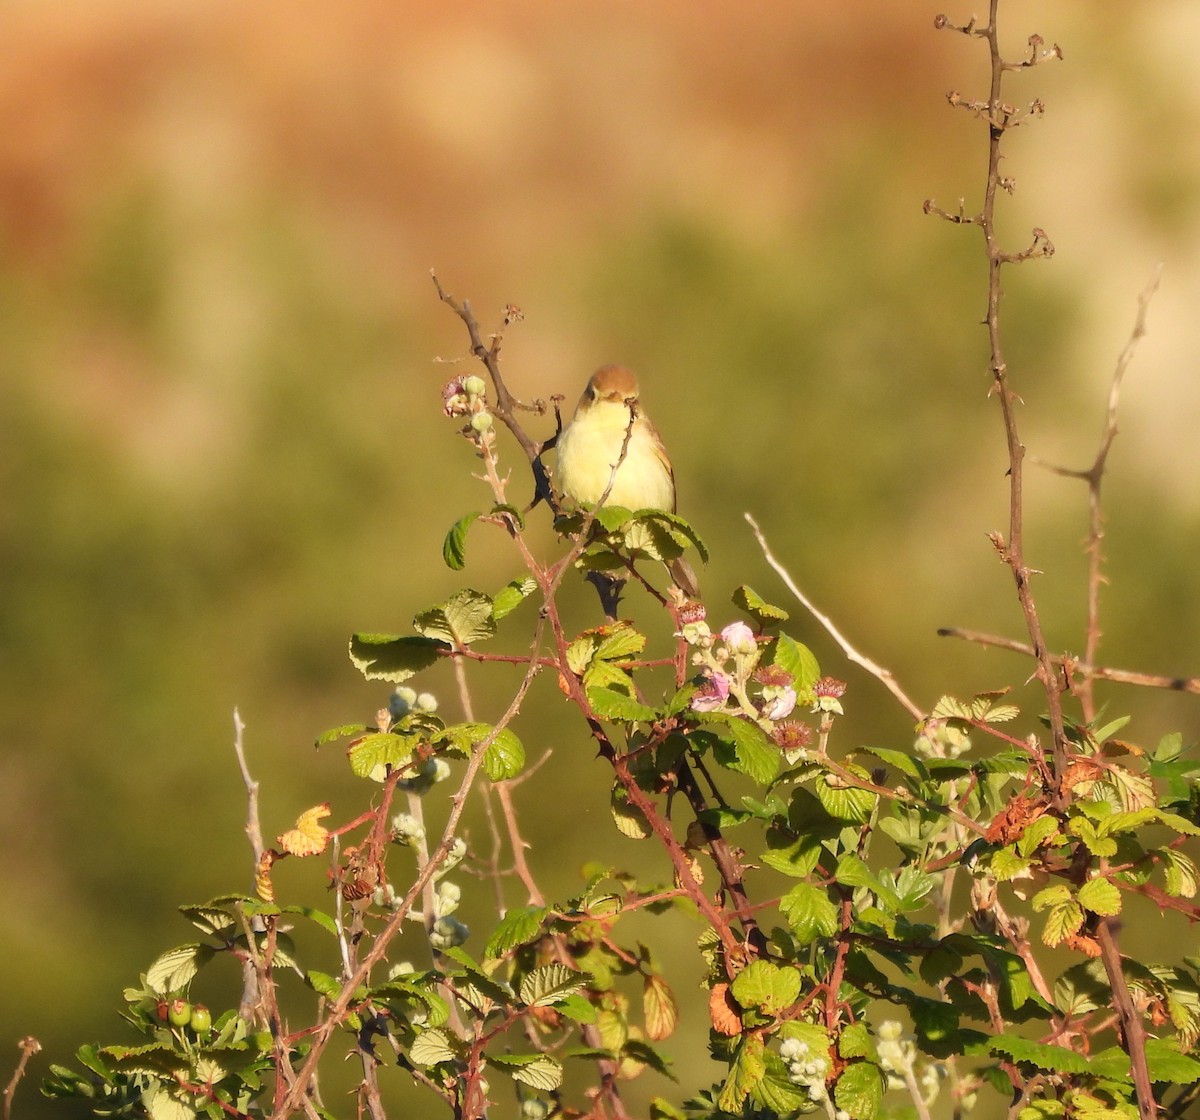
[(221, 448)]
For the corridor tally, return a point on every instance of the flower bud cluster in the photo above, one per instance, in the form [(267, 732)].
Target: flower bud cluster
[(805, 1069), (732, 679), (404, 700), (940, 738), (447, 933), (898, 1058), (466, 396)]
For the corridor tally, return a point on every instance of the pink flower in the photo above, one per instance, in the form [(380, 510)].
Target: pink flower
[(739, 638), (712, 693), (779, 704)]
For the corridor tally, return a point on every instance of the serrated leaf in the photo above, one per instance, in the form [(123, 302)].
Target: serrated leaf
[(1062, 920), (1180, 872), (764, 613), (372, 753), (1038, 832), (455, 545), (1005, 864), (538, 1071), (855, 1042), (843, 802), (745, 1071), (163, 1104), (577, 1008), (1055, 1058), (512, 595), (859, 1090), (309, 836), (615, 706), (343, 732), (1179, 824), (797, 859), (746, 748), (1100, 896), (463, 619), (900, 761), (382, 657), (1168, 1065), (766, 985), (504, 756), (628, 818), (810, 912), (431, 1047), (659, 1008), (518, 927), (174, 969), (210, 919), (776, 1092), (621, 641), (548, 984), (323, 984), (798, 660)]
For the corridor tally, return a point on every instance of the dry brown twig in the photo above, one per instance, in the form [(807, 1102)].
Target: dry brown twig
[(884, 676), (1094, 477), (28, 1047)]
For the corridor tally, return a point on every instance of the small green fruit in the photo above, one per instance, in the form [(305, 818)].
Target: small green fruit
[(179, 1013), (201, 1020)]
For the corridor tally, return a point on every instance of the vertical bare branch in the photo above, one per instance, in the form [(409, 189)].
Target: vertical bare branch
[(28, 1047)]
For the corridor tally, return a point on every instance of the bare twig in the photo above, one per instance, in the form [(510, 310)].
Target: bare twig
[(1132, 1027), (884, 676), (28, 1047), (251, 989), (1094, 477), (1070, 665)]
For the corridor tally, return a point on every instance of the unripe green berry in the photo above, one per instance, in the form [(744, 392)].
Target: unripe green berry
[(201, 1020), (481, 422), (474, 386), (179, 1013)]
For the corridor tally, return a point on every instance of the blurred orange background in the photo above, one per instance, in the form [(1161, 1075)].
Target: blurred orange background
[(221, 447)]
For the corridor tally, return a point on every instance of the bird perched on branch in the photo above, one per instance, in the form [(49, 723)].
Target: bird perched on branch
[(609, 421)]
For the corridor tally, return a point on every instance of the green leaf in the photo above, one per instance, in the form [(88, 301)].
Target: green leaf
[(323, 984), (748, 750), (504, 756), (745, 1071), (1180, 871), (455, 545), (1168, 1065), (431, 1047), (621, 641), (550, 983), (628, 818), (768, 986), (678, 527), (764, 613), (1100, 896), (659, 1009), (174, 969), (346, 731), (538, 1071), (520, 926), (1055, 1058), (800, 662), (1038, 833), (512, 595), (899, 761), (797, 860), (810, 912), (843, 802), (855, 1042), (382, 657), (859, 1090), (615, 706), (1006, 864), (776, 1092), (466, 617), (1063, 919), (381, 748)]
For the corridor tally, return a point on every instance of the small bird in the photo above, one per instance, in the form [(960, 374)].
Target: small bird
[(590, 447)]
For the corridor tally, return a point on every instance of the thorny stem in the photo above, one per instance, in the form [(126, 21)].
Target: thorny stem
[(28, 1046), (1014, 551)]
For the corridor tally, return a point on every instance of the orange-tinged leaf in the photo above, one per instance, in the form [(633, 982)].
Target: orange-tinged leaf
[(723, 1012), (262, 876), (660, 1008), (309, 837)]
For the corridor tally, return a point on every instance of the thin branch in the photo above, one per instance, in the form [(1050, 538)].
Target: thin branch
[(1094, 477), (1069, 665), (1132, 1027), (884, 676), (28, 1047)]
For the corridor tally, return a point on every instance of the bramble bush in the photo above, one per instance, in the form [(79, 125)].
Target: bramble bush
[(930, 927)]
